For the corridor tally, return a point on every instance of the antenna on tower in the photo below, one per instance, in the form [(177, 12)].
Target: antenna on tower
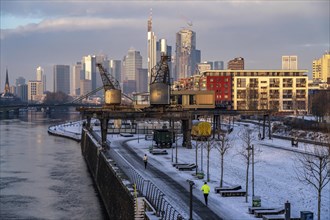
[(150, 21)]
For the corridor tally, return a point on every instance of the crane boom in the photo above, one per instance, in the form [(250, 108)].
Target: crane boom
[(109, 82)]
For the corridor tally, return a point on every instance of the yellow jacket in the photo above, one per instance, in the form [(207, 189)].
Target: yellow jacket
[(206, 189)]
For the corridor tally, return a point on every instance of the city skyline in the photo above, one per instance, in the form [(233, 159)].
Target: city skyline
[(45, 34)]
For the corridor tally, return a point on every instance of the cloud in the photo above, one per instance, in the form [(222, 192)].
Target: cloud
[(70, 24)]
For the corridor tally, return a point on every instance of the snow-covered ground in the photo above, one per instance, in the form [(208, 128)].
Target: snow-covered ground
[(275, 179)]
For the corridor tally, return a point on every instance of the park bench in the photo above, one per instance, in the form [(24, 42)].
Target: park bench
[(219, 189), (231, 193), (252, 209), (158, 152), (188, 167), (179, 164), (260, 213), (126, 135), (278, 217)]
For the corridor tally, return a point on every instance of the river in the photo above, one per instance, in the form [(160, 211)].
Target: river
[(44, 176)]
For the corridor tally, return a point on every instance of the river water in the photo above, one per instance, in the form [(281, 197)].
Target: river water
[(44, 176)]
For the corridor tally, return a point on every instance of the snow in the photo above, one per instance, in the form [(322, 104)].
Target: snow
[(275, 179)]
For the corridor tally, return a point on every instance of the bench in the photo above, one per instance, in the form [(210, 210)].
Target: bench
[(179, 164), (158, 152), (126, 135), (260, 213), (278, 217), (231, 193), (252, 209), (219, 189), (188, 167)]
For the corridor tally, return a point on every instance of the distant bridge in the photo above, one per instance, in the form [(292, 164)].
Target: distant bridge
[(6, 108)]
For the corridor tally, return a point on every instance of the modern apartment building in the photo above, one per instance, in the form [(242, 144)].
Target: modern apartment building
[(236, 64), (61, 77), (321, 68), (289, 62), (280, 90), (187, 56), (35, 90)]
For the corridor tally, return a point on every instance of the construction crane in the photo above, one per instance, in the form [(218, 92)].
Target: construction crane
[(160, 82), (112, 91)]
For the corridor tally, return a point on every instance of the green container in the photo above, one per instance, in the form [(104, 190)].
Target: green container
[(256, 201)]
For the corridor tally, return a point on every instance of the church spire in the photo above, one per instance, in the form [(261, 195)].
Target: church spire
[(7, 89)]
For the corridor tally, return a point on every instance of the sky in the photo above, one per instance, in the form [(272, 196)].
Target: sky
[(49, 32)]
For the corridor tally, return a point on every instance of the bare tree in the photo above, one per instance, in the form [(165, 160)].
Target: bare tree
[(314, 170), (222, 144), (247, 137)]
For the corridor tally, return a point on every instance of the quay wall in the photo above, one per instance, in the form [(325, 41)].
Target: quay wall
[(115, 190)]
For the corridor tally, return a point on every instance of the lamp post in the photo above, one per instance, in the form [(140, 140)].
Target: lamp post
[(191, 184)]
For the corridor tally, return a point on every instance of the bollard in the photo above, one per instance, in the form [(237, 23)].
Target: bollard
[(287, 207)]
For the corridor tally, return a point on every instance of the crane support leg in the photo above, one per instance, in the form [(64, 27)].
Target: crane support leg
[(104, 131), (186, 130)]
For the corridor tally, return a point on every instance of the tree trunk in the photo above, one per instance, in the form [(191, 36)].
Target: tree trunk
[(221, 173), (319, 205)]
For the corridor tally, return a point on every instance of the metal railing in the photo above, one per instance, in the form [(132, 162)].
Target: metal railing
[(148, 189)]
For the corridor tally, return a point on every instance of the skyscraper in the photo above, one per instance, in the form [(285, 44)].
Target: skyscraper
[(75, 79), (236, 64), (187, 56), (115, 69), (62, 78), (41, 77), (131, 63), (89, 69), (20, 81), (218, 65), (152, 59), (289, 62), (163, 49)]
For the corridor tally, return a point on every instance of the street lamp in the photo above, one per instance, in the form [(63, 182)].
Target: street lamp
[(191, 184)]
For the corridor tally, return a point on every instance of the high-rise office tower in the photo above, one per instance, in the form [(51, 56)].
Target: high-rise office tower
[(75, 79), (142, 80), (115, 69), (164, 49), (61, 78), (321, 68), (131, 63), (41, 77), (236, 64), (187, 56), (218, 65), (289, 62), (20, 81), (152, 59), (22, 92), (89, 69)]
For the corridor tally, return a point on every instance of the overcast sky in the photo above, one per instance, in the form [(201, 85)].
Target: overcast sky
[(43, 33)]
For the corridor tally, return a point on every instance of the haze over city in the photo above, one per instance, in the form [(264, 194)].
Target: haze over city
[(45, 33)]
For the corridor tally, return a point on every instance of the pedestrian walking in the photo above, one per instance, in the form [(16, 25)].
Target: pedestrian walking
[(206, 190), (145, 160)]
